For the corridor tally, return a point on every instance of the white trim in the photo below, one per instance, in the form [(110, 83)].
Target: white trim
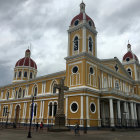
[(84, 39), (82, 106), (68, 50), (77, 107), (40, 109), (66, 109), (87, 108), (90, 107), (95, 45)]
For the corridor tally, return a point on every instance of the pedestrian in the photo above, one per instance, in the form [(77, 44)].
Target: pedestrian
[(75, 129), (37, 126), (41, 126)]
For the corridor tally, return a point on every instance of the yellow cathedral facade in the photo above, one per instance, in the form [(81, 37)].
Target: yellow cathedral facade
[(104, 92)]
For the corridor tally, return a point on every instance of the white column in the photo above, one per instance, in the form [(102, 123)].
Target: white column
[(99, 117), (66, 109), (84, 39), (40, 109), (132, 111), (135, 111), (82, 106), (127, 108), (87, 110), (111, 112), (25, 109), (48, 115), (119, 109), (11, 108)]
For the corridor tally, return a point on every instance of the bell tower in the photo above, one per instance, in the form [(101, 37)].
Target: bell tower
[(82, 51), (82, 34)]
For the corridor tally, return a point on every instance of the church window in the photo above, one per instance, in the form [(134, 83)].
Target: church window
[(127, 59), (19, 93), (7, 95), (55, 108), (31, 75), (50, 109), (92, 107), (25, 74), (129, 71), (19, 74), (75, 69), (23, 93), (117, 84), (105, 82), (90, 23), (116, 68), (35, 90), (74, 107), (76, 43), (91, 70), (90, 44), (5, 110), (76, 22), (53, 89), (35, 109)]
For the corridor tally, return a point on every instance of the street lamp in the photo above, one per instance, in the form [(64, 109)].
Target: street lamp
[(31, 116)]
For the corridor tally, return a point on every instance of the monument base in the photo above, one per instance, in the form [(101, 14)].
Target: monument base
[(59, 124)]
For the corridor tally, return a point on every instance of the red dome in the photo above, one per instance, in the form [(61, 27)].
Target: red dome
[(80, 18), (27, 62), (130, 55)]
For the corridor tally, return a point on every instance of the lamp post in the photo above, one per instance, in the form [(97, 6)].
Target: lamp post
[(31, 115)]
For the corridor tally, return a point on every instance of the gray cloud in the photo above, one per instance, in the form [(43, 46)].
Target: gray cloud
[(44, 24)]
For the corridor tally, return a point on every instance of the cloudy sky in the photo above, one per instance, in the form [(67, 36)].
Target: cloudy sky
[(44, 24)]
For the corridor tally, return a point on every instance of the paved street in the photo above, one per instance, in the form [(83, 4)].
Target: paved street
[(11, 134)]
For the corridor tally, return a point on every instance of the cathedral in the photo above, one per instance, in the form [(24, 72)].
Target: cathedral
[(104, 92)]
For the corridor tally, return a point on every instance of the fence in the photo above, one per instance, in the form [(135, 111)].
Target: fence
[(83, 123)]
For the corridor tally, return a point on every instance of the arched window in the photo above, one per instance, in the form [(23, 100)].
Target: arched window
[(7, 95), (76, 43), (129, 71), (25, 74), (53, 89), (117, 84), (5, 110), (90, 44), (105, 82), (19, 74), (35, 90), (35, 110), (50, 109), (55, 108), (31, 75), (19, 93)]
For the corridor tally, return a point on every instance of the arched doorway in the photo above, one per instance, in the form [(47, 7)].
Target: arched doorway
[(17, 111)]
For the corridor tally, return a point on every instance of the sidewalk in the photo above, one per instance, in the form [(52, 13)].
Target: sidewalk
[(15, 134)]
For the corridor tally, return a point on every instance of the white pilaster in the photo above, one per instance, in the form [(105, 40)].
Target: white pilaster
[(99, 117), (84, 39), (66, 109), (111, 112), (87, 110), (135, 69), (40, 109), (119, 109)]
